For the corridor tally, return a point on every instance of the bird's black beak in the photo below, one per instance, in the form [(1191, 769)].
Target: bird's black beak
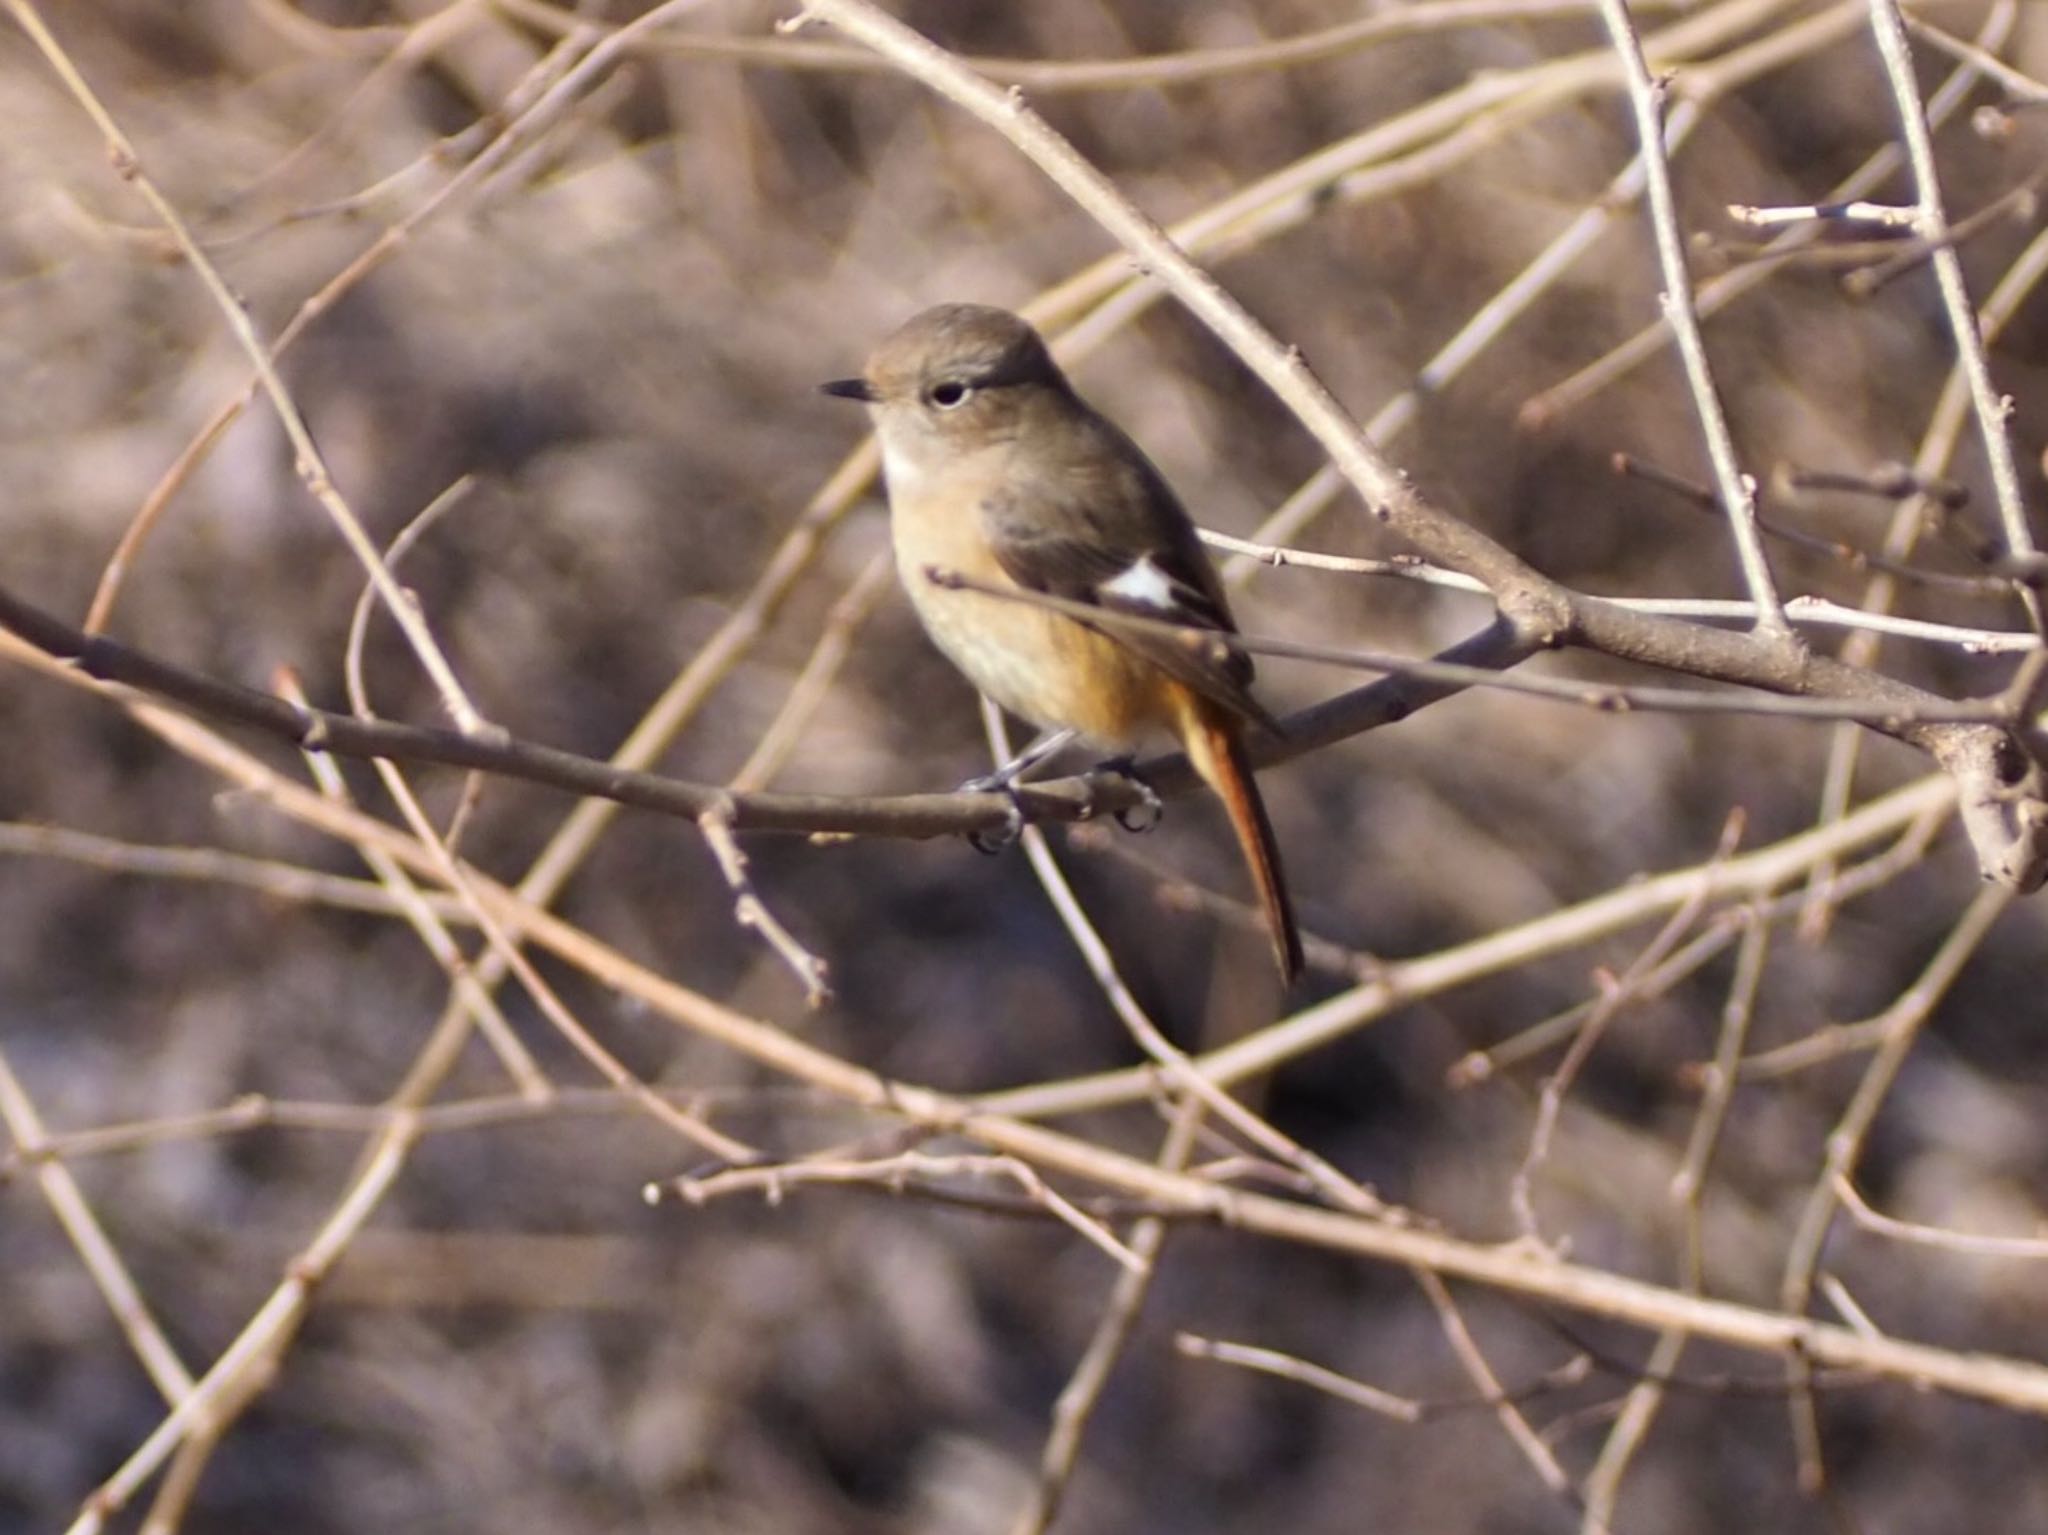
[(850, 389)]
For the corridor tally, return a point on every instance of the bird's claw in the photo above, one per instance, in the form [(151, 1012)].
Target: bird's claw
[(993, 842), (1144, 815), (1147, 813)]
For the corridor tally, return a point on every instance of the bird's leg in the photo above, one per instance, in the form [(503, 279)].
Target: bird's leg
[(1003, 777), (1144, 815), (1004, 781)]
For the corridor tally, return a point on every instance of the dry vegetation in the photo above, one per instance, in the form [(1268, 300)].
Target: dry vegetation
[(324, 1210)]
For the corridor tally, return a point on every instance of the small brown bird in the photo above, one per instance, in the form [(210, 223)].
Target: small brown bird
[(998, 472)]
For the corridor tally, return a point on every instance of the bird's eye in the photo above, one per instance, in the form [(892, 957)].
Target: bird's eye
[(948, 394)]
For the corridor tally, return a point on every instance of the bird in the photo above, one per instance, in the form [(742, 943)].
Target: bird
[(1002, 479)]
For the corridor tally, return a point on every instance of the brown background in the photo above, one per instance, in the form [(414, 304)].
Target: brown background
[(618, 337)]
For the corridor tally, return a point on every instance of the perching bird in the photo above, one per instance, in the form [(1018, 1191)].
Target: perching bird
[(999, 473)]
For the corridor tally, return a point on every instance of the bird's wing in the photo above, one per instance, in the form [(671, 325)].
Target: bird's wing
[(1121, 543)]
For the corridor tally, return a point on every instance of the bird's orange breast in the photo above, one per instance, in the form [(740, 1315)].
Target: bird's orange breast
[(1037, 664)]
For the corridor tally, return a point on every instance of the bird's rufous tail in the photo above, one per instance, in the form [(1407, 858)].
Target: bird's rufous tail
[(1214, 742)]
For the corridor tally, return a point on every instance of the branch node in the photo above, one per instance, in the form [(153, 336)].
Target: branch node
[(2000, 795)]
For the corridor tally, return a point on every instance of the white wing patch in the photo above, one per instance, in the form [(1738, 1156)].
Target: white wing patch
[(1144, 583)]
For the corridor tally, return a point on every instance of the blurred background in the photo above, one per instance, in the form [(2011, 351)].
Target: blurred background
[(609, 345)]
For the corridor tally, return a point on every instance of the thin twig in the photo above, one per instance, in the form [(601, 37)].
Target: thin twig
[(1266, 1361), (67, 1202), (1737, 489), (1076, 1403), (1967, 1243), (411, 902), (1993, 411), (1718, 1078), (1506, 1410), (1818, 612), (1899, 1028), (829, 651), (1614, 995), (774, 1180), (753, 913), (1646, 1397), (2019, 86)]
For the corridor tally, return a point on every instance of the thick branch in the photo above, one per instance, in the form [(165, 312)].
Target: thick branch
[(906, 815)]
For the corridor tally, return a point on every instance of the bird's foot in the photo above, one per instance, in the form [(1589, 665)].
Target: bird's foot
[(1147, 813), (1003, 783)]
